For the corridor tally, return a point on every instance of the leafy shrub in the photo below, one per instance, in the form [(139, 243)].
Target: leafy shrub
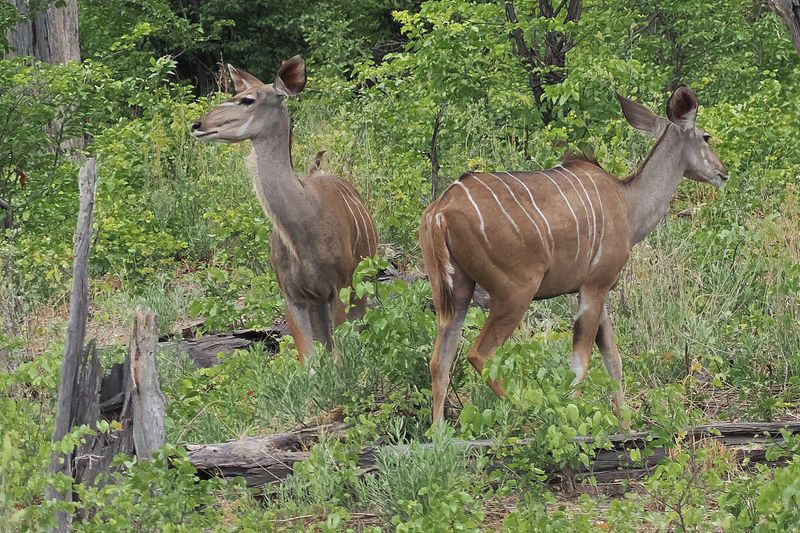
[(420, 487)]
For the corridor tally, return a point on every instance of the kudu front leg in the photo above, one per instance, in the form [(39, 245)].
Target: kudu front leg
[(321, 316), (300, 327)]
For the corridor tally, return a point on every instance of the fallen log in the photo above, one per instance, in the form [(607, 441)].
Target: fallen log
[(269, 459), (205, 350), (260, 460)]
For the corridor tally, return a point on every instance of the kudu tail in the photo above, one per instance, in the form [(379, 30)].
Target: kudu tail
[(438, 263)]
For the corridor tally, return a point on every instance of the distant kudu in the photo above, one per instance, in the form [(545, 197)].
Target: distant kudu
[(321, 229), (535, 235)]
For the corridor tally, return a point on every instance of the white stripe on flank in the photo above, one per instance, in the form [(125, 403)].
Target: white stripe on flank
[(591, 207), (602, 213), (514, 196), (244, 126), (355, 220), (574, 216), (530, 195), (362, 212), (583, 203), (496, 199), (480, 216), (597, 255)]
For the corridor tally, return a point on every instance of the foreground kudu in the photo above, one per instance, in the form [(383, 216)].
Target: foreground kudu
[(321, 229), (535, 235)]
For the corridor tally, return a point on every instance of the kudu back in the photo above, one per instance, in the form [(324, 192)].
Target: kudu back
[(534, 235)]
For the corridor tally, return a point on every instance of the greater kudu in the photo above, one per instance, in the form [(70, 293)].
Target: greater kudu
[(535, 235), (320, 226)]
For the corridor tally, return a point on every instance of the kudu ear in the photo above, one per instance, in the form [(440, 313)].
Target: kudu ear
[(682, 107), (291, 77), (638, 115), (242, 80)]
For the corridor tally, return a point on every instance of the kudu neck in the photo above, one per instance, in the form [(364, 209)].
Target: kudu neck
[(284, 197), (273, 151), (648, 193)]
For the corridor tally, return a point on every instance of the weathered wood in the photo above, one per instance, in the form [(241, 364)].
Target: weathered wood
[(269, 459), (145, 394), (205, 350), (50, 35), (95, 455), (76, 330), (789, 12), (260, 460)]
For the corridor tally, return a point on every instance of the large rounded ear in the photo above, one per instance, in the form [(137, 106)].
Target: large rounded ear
[(682, 107), (638, 115), (243, 80), (291, 77)]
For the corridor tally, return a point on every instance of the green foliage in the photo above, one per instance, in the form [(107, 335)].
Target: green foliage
[(420, 487), (400, 328), (706, 312), (149, 494), (328, 479)]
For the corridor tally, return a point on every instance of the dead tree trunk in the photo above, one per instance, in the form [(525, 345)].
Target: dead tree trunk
[(146, 398), (789, 12), (433, 154), (50, 35), (76, 329)]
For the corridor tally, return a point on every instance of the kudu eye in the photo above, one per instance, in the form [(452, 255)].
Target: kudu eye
[(247, 100), (706, 137)]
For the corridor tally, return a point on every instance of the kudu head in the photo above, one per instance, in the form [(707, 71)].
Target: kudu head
[(701, 161), (257, 108)]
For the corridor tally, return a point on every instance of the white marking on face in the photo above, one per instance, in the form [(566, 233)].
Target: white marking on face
[(243, 128), (514, 196), (539, 211), (574, 216), (478, 211), (591, 208), (227, 104), (496, 199)]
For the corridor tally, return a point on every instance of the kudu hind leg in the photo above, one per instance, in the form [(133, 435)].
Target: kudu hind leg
[(584, 330), (505, 313), (447, 335), (612, 360)]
